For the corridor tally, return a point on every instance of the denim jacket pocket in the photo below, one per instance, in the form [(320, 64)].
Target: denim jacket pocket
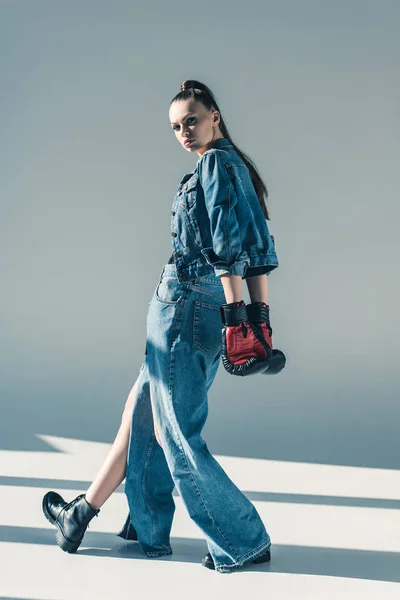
[(189, 193), (188, 203), (207, 327)]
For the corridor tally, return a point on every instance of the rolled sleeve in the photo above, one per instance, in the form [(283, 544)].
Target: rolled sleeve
[(226, 255)]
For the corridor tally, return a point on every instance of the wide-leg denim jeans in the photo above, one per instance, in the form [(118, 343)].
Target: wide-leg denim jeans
[(183, 351)]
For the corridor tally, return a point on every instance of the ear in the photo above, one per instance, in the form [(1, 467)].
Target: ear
[(216, 117)]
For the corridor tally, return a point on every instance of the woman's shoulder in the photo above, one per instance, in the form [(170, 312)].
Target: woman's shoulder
[(213, 154), (214, 160)]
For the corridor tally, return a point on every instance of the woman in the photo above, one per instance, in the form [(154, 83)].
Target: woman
[(219, 237)]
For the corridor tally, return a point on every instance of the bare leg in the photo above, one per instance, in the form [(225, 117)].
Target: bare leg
[(113, 470)]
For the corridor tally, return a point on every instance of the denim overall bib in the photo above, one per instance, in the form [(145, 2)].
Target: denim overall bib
[(183, 350)]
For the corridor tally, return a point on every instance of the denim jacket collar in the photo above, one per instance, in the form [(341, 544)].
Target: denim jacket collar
[(220, 143)]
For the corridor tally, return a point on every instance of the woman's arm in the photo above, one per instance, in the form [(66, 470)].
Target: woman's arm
[(226, 254), (257, 286), (232, 285)]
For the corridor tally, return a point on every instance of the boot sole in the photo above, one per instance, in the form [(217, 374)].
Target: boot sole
[(63, 542), (260, 559)]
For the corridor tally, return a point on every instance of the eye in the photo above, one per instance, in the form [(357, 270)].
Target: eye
[(189, 119)]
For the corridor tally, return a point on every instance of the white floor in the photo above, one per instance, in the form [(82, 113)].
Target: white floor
[(335, 534)]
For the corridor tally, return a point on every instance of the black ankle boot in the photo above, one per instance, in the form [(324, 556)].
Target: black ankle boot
[(128, 532), (71, 519), (208, 562)]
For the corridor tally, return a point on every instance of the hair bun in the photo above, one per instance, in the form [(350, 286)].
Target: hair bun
[(190, 84)]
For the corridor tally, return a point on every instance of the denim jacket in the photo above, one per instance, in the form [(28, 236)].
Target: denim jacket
[(217, 223)]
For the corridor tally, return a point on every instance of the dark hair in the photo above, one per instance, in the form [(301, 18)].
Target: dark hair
[(192, 89)]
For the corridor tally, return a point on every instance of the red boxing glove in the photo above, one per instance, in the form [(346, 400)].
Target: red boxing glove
[(245, 350), (258, 315)]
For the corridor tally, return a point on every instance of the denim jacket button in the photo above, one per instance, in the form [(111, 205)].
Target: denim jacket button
[(172, 212), (177, 254), (182, 276), (185, 187), (173, 233)]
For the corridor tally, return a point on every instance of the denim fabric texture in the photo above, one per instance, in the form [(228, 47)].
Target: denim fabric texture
[(183, 351), (217, 224)]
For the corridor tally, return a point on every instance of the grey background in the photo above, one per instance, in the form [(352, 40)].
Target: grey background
[(89, 168)]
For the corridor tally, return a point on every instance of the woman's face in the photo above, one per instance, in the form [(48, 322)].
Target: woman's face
[(190, 120)]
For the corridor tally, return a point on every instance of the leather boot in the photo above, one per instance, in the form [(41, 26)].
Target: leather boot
[(208, 562), (128, 532), (71, 519)]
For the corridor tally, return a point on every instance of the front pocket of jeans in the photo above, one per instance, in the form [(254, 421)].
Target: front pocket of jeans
[(205, 290), (169, 290), (207, 327)]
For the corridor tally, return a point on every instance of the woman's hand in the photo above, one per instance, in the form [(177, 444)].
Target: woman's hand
[(247, 340), (245, 351), (258, 315)]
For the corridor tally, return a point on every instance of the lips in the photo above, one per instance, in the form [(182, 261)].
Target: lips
[(186, 142)]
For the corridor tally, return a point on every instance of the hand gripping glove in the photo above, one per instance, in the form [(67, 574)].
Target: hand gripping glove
[(258, 315), (245, 351)]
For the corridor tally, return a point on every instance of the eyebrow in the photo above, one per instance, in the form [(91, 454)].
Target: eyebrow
[(174, 122)]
